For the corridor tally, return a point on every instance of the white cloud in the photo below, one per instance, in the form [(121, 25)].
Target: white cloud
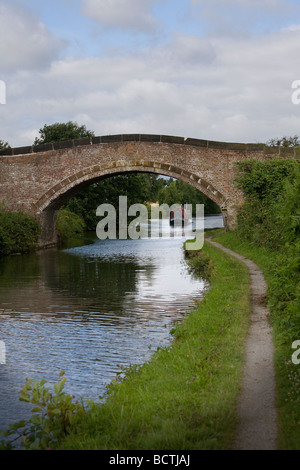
[(269, 4), (231, 16), (214, 87), (25, 42), (125, 14), (190, 50), (292, 27)]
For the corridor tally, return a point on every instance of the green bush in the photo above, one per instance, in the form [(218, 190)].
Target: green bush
[(69, 224), (4, 242), (264, 180), (270, 218), (267, 186), (19, 233), (55, 415), (199, 264)]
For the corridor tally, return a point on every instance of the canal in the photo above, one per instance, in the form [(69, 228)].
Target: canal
[(89, 309)]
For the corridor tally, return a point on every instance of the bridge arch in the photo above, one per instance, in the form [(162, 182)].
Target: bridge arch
[(39, 179), (48, 205)]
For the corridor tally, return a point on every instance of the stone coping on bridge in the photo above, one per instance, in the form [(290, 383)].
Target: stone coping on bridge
[(155, 138)]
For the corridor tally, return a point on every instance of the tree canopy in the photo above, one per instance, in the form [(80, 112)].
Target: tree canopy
[(4, 145), (178, 192), (138, 187), (62, 131), (286, 141)]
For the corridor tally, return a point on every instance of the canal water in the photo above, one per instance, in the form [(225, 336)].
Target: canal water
[(87, 310)]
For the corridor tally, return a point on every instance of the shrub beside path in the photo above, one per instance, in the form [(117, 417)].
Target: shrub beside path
[(257, 427)]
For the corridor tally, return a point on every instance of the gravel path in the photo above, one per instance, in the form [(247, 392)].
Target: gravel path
[(257, 428)]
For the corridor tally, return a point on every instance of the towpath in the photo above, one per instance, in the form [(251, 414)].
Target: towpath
[(257, 427)]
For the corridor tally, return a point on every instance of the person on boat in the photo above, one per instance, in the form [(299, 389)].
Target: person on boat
[(177, 215)]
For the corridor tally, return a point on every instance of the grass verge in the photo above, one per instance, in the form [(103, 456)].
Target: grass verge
[(287, 373), (185, 397)]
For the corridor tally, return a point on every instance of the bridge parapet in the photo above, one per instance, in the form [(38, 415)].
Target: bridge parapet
[(292, 152)]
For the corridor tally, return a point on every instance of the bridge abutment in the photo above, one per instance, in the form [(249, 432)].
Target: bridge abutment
[(47, 221)]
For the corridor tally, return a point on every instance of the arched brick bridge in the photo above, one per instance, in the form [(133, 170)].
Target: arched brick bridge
[(39, 179)]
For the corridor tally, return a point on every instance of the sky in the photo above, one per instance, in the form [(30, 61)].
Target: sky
[(210, 69)]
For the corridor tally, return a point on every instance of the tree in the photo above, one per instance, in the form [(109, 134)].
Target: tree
[(62, 131), (4, 145), (138, 187), (178, 192), (286, 141)]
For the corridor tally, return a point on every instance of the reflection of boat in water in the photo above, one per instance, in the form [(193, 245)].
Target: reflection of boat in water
[(179, 217)]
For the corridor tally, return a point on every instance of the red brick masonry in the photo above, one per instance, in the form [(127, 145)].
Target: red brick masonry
[(39, 179)]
